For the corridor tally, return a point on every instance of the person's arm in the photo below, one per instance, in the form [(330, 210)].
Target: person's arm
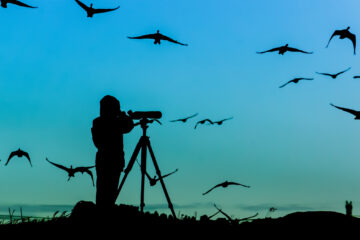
[(127, 124)]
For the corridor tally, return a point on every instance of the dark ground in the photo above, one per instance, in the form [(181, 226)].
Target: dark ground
[(126, 222)]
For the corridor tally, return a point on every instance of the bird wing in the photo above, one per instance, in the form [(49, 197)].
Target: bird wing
[(27, 156), (91, 175), (58, 165), (271, 50), (147, 36), (352, 37), (356, 77), (208, 120), (226, 119), (346, 109), (343, 71), (86, 8), (297, 50), (306, 79), (212, 188), (20, 3), (10, 156), (196, 124), (337, 32), (286, 84), (326, 74), (192, 116), (177, 120), (235, 183), (166, 175), (99, 10), (163, 37)]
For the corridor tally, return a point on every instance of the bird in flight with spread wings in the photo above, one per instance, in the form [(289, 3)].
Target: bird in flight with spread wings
[(333, 76), (202, 122), (157, 37), (345, 33), (225, 185), (71, 171), (91, 11), (284, 49), (155, 179), (221, 121), (353, 112), (16, 2), (19, 153), (184, 119), (295, 80)]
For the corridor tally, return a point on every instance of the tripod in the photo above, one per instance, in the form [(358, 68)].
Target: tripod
[(144, 145)]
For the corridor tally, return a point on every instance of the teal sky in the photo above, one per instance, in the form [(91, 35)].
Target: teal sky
[(293, 149)]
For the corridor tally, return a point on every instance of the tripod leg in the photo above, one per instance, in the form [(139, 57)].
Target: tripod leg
[(160, 178), (143, 170), (130, 164)]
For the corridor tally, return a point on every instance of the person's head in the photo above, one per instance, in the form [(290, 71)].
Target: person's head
[(109, 106)]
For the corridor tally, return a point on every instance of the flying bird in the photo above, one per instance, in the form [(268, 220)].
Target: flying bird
[(333, 76), (155, 179), (353, 112), (221, 121), (284, 49), (5, 2), (184, 119), (157, 37), (225, 185), (71, 171), (345, 33), (356, 77), (295, 80), (202, 122), (19, 153), (91, 11)]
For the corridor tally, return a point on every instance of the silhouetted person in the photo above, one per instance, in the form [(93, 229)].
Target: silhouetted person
[(71, 171), (284, 49), (225, 185), (5, 2), (353, 112), (202, 122), (157, 37), (107, 134), (295, 80), (184, 119), (221, 121), (333, 76), (91, 11), (19, 153), (348, 207), (345, 33)]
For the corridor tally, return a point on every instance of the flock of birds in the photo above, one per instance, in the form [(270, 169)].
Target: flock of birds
[(343, 34), (158, 37), (90, 11), (207, 120)]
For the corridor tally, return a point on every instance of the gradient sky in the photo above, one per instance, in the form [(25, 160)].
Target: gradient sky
[(293, 149)]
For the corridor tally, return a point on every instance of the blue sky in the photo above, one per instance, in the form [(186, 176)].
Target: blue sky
[(293, 149)]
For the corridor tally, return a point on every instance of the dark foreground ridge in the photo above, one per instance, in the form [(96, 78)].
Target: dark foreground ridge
[(86, 220)]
